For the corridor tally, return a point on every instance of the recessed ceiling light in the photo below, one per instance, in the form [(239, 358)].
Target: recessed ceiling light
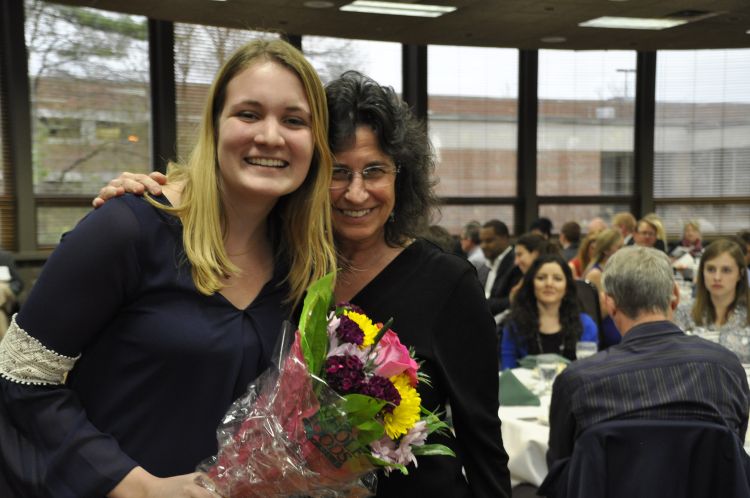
[(747, 32), (631, 23), (554, 39), (318, 4), (397, 9)]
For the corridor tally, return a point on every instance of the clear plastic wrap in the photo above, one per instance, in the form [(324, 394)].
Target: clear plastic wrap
[(288, 435), (339, 401)]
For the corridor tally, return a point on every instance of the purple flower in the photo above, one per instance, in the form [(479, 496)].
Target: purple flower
[(349, 331), (382, 388), (345, 374)]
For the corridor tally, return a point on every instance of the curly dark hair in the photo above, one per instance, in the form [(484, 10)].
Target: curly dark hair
[(525, 314), (357, 100)]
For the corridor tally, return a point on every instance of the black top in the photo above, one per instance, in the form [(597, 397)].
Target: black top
[(553, 343), (160, 364), (440, 310)]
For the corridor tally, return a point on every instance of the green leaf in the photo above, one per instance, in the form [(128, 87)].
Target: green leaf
[(382, 463), (367, 432), (433, 449), (361, 408), (314, 322)]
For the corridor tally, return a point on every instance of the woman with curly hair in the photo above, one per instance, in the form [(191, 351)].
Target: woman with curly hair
[(382, 199), (545, 316)]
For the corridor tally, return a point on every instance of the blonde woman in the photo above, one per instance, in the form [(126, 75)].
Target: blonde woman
[(153, 315), (606, 244)]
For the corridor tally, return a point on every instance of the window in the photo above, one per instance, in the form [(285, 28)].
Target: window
[(585, 125), (702, 139), (199, 52), (7, 218), (560, 214), (90, 106), (453, 217), (330, 57), (473, 120)]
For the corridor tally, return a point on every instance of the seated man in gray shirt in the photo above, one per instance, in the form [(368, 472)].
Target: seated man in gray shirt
[(656, 372)]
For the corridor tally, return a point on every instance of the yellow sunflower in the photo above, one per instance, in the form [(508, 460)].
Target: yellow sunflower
[(406, 414), (370, 330)]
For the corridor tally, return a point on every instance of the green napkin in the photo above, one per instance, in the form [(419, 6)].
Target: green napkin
[(529, 361), (514, 393)]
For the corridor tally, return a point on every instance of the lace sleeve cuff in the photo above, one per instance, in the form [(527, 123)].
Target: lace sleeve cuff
[(25, 360)]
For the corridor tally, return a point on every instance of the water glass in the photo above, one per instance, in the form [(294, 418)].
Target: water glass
[(547, 366), (584, 349)]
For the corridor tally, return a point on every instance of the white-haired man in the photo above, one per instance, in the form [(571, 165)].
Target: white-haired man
[(656, 372)]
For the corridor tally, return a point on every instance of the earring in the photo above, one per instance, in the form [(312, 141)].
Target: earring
[(392, 217)]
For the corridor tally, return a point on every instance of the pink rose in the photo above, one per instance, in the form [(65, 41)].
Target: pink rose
[(394, 358)]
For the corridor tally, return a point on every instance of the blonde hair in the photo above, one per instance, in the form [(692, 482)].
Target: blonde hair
[(654, 220), (300, 223), (624, 219), (703, 308), (604, 241)]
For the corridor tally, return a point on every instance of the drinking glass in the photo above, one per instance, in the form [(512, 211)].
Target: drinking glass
[(547, 366), (584, 349)]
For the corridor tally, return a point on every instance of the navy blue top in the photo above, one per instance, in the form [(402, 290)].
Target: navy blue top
[(513, 348), (656, 372), (160, 364)]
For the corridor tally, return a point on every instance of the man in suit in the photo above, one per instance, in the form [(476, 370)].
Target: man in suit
[(656, 372), (499, 269)]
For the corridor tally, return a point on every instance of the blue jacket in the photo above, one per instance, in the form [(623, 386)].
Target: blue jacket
[(511, 351)]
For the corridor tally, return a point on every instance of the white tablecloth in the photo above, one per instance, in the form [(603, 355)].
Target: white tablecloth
[(525, 436)]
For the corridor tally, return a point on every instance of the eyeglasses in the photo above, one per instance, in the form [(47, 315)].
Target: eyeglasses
[(373, 176)]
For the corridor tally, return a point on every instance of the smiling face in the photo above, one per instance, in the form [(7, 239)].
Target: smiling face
[(550, 284), (524, 257), (360, 212), (720, 276), (265, 142)]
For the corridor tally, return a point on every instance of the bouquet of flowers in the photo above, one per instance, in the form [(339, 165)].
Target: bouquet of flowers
[(339, 402)]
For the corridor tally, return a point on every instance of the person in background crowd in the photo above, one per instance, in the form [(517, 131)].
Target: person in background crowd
[(499, 271), (153, 315), (570, 238), (529, 247), (542, 226), (435, 298), (647, 234), (11, 286), (625, 223), (691, 240), (722, 300), (596, 225), (470, 244), (607, 243), (661, 232), (545, 316), (657, 372), (585, 252)]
